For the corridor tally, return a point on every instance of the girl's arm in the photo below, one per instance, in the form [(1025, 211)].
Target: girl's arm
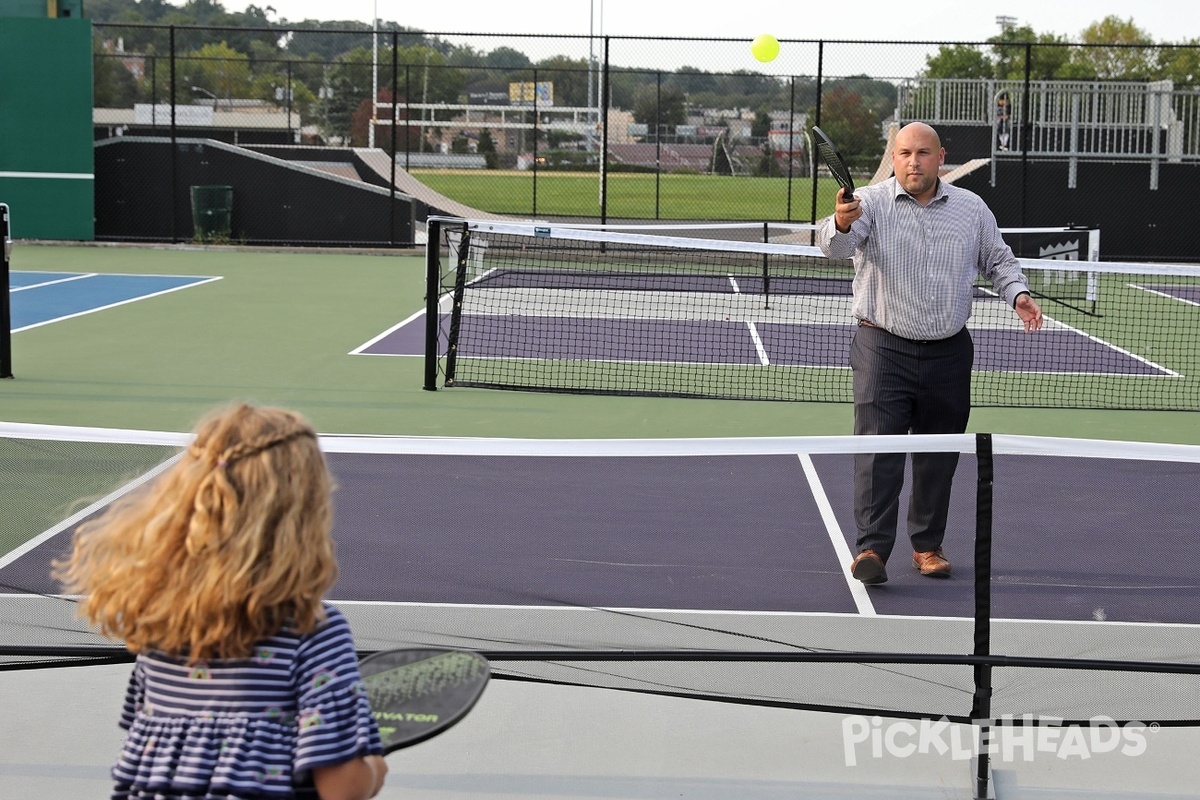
[(357, 779)]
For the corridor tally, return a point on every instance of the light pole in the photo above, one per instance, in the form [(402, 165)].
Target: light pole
[(374, 74), (594, 97), (591, 73), (201, 90)]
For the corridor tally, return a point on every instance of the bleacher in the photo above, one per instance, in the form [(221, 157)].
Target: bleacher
[(674, 156)]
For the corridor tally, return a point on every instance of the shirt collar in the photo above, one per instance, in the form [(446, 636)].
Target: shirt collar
[(899, 191)]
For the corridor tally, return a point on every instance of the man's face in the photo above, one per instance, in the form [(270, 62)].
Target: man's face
[(916, 158)]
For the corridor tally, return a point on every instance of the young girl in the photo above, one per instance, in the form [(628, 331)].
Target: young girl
[(246, 683)]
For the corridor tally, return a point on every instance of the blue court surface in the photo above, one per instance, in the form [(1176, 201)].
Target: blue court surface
[(40, 298)]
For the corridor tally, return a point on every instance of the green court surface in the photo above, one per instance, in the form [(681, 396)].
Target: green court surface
[(279, 327)]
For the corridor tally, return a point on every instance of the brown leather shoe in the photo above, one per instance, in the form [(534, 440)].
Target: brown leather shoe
[(868, 568), (932, 563)]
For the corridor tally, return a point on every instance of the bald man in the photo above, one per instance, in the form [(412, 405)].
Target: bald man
[(918, 245)]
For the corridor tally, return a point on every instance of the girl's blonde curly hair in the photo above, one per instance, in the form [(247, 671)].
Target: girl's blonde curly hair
[(232, 544)]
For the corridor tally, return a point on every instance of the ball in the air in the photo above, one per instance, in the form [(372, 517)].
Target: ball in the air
[(765, 47)]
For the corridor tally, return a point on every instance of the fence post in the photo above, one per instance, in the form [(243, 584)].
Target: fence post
[(604, 101), (5, 307), (1026, 130), (394, 115), (174, 146), (658, 144), (812, 155)]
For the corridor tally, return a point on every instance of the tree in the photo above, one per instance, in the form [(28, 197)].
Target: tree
[(1181, 64), (665, 108), (426, 73), (506, 58), (126, 10), (349, 83), (487, 148), (1050, 55), (570, 78), (851, 124), (958, 61), (878, 98), (761, 127), (1125, 60), (215, 70), (114, 85)]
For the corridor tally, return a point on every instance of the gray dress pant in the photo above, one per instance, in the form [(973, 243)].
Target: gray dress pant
[(904, 386)]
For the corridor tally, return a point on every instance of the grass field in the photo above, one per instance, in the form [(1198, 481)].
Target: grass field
[(634, 195)]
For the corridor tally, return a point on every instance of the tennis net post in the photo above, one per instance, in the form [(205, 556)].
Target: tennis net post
[(5, 306)]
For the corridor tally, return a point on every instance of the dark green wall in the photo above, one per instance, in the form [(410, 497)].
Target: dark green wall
[(46, 162)]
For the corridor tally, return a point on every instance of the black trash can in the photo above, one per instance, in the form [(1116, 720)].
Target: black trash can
[(212, 212)]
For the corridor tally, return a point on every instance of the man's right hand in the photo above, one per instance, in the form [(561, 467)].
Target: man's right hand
[(844, 213)]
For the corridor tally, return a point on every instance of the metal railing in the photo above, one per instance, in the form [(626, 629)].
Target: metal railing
[(613, 104)]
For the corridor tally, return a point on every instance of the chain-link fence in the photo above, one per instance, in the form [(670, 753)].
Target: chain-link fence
[(355, 136)]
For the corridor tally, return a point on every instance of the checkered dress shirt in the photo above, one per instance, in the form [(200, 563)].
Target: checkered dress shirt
[(915, 266)]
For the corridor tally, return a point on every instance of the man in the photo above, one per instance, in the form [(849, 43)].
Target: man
[(918, 245)]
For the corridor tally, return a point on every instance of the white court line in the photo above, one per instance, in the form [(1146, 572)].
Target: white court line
[(53, 282), (1165, 370), (72, 520), (199, 282), (759, 347), (862, 600), (70, 176), (358, 351), (1167, 295), (561, 609)]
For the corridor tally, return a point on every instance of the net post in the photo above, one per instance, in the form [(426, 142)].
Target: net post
[(766, 232), (433, 241), (5, 306), (456, 305), (981, 708)]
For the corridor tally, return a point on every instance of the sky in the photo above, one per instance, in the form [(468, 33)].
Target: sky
[(936, 20)]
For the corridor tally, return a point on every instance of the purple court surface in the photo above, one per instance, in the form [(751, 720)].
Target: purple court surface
[(733, 343), (742, 533)]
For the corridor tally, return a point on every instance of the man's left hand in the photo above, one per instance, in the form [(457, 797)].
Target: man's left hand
[(1029, 312)]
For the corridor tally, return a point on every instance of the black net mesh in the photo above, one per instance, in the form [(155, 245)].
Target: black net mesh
[(562, 309), (708, 568)]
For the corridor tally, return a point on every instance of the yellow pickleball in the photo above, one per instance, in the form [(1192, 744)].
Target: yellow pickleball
[(765, 47)]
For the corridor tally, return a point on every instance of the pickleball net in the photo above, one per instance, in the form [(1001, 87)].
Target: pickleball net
[(755, 312), (1071, 600)]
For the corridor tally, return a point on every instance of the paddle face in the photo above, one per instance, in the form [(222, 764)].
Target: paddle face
[(833, 160), (416, 694)]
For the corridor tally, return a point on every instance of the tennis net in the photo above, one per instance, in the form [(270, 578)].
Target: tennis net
[(757, 312), (708, 568)]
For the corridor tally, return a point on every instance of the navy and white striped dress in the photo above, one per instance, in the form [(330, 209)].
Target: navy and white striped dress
[(252, 728)]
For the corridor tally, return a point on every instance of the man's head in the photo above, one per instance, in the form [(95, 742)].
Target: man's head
[(916, 157)]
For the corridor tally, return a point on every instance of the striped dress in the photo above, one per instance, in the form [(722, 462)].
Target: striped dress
[(252, 728)]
